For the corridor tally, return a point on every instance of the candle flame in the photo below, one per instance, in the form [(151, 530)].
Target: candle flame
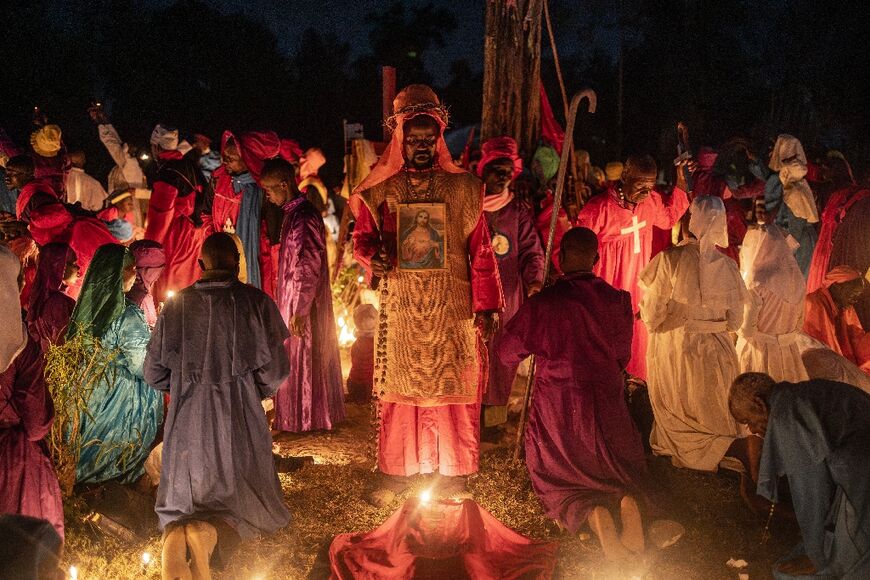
[(73, 573), (425, 496), (146, 558), (169, 294)]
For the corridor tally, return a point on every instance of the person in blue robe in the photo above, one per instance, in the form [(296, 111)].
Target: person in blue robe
[(123, 412), (817, 434), (218, 349)]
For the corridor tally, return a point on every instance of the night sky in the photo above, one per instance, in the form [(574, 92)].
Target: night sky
[(346, 19)]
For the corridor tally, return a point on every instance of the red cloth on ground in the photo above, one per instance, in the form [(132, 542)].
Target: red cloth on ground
[(834, 213), (441, 539), (625, 246), (839, 329)]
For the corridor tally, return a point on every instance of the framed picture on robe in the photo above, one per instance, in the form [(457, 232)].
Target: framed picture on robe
[(422, 236)]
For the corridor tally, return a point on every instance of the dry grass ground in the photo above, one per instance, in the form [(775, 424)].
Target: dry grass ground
[(328, 498)]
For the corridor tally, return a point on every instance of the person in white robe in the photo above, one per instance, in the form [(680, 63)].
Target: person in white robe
[(693, 298), (772, 340), (81, 187), (769, 338)]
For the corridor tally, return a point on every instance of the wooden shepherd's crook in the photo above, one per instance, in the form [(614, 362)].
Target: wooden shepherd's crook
[(557, 204)]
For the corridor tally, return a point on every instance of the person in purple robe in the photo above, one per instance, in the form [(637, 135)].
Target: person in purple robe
[(27, 479), (218, 349), (50, 308), (583, 452), (313, 396), (517, 249)]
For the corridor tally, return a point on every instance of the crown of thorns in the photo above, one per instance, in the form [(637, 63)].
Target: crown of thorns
[(429, 108)]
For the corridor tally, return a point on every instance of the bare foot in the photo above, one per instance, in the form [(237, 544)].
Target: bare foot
[(602, 524), (632, 525), (201, 540), (174, 564), (800, 566)]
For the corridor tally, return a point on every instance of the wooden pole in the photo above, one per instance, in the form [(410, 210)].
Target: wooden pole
[(512, 72), (388, 93), (557, 200)]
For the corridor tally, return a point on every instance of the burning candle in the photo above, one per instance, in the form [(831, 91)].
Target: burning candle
[(425, 496), (73, 573), (146, 558), (169, 294)]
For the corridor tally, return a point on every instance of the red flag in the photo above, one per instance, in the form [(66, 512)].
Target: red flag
[(551, 132)]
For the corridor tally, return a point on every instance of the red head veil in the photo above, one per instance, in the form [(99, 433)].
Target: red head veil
[(411, 101), (255, 147)]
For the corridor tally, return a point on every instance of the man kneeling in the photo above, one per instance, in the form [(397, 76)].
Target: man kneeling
[(218, 349), (583, 453), (817, 433)]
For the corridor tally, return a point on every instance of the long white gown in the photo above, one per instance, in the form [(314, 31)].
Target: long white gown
[(691, 356), (771, 331)]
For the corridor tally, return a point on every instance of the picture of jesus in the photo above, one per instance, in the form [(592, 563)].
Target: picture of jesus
[(421, 239)]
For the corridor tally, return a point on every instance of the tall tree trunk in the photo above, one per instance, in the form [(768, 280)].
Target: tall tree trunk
[(512, 72)]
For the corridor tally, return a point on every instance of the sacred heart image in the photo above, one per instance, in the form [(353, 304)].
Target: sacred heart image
[(422, 236)]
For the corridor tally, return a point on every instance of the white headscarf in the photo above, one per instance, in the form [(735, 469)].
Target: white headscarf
[(164, 138), (13, 335), (709, 224), (767, 260), (789, 159)]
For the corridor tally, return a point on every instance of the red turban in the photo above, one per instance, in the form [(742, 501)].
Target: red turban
[(500, 148), (255, 148)]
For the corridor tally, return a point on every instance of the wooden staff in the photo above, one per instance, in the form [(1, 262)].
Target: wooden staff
[(557, 204)]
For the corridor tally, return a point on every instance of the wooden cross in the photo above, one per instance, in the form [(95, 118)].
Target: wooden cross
[(634, 229)]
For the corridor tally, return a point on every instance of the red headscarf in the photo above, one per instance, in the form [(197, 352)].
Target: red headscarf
[(255, 147), (500, 148), (150, 260), (49, 277), (290, 150), (411, 101)]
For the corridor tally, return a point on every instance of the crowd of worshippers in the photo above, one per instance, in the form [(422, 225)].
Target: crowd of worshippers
[(733, 300)]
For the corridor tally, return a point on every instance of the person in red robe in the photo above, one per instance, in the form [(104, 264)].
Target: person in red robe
[(583, 452), (237, 204), (429, 394), (174, 212), (49, 220), (623, 218), (49, 310), (27, 480), (830, 316), (838, 206)]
